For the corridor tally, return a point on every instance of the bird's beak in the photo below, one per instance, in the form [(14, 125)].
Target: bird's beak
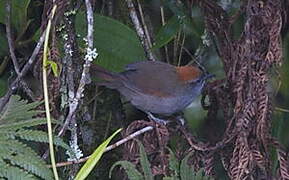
[(208, 76)]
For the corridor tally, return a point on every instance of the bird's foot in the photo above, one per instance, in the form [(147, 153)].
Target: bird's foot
[(157, 120), (181, 120)]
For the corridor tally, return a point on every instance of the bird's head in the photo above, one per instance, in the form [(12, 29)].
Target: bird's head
[(192, 74)]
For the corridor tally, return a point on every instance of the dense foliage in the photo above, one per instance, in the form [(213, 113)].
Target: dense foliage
[(236, 130)]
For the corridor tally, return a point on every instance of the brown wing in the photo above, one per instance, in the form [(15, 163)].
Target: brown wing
[(150, 77)]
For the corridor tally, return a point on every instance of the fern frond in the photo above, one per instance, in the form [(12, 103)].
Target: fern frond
[(174, 164), (25, 124), (14, 173), (186, 172), (31, 164), (39, 136), (3, 137), (129, 168), (17, 110), (15, 146), (19, 154), (18, 160), (145, 164)]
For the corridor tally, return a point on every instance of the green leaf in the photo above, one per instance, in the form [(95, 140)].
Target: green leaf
[(167, 32), (131, 171), (116, 44), (17, 110), (174, 163), (200, 175), (4, 44), (39, 136), (36, 35), (14, 173), (19, 154), (23, 124), (95, 157), (18, 16), (54, 67), (18, 160), (177, 7), (145, 162), (4, 78), (180, 21), (169, 178), (191, 21), (186, 172)]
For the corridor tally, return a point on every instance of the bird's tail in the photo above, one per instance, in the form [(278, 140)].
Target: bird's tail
[(107, 78), (99, 72)]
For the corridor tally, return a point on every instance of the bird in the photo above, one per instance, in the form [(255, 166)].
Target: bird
[(155, 87)]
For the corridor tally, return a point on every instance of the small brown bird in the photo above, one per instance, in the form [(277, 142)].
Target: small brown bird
[(155, 87)]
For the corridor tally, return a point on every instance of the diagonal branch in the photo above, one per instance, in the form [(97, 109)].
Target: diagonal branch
[(140, 31), (14, 84), (9, 37)]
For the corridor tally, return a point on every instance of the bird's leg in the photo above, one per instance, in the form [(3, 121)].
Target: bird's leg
[(157, 120), (181, 120)]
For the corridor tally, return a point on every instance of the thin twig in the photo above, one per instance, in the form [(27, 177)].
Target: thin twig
[(190, 54), (110, 7), (176, 47), (181, 49), (113, 146), (144, 24), (139, 30), (9, 37), (205, 147), (46, 98), (3, 64), (163, 23), (282, 109), (107, 126)]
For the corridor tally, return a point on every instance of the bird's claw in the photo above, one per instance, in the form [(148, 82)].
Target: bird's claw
[(157, 120), (181, 120)]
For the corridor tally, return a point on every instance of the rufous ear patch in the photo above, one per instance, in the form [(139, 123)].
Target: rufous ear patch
[(188, 73)]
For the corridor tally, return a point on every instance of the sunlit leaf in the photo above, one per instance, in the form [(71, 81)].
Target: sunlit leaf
[(95, 157), (54, 67)]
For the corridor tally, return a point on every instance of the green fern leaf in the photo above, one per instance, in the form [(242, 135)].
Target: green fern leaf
[(145, 162), (200, 175), (186, 172), (131, 171), (18, 160), (170, 178), (39, 136), (14, 146), (31, 164), (17, 110), (23, 124), (19, 154), (14, 173), (174, 163)]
